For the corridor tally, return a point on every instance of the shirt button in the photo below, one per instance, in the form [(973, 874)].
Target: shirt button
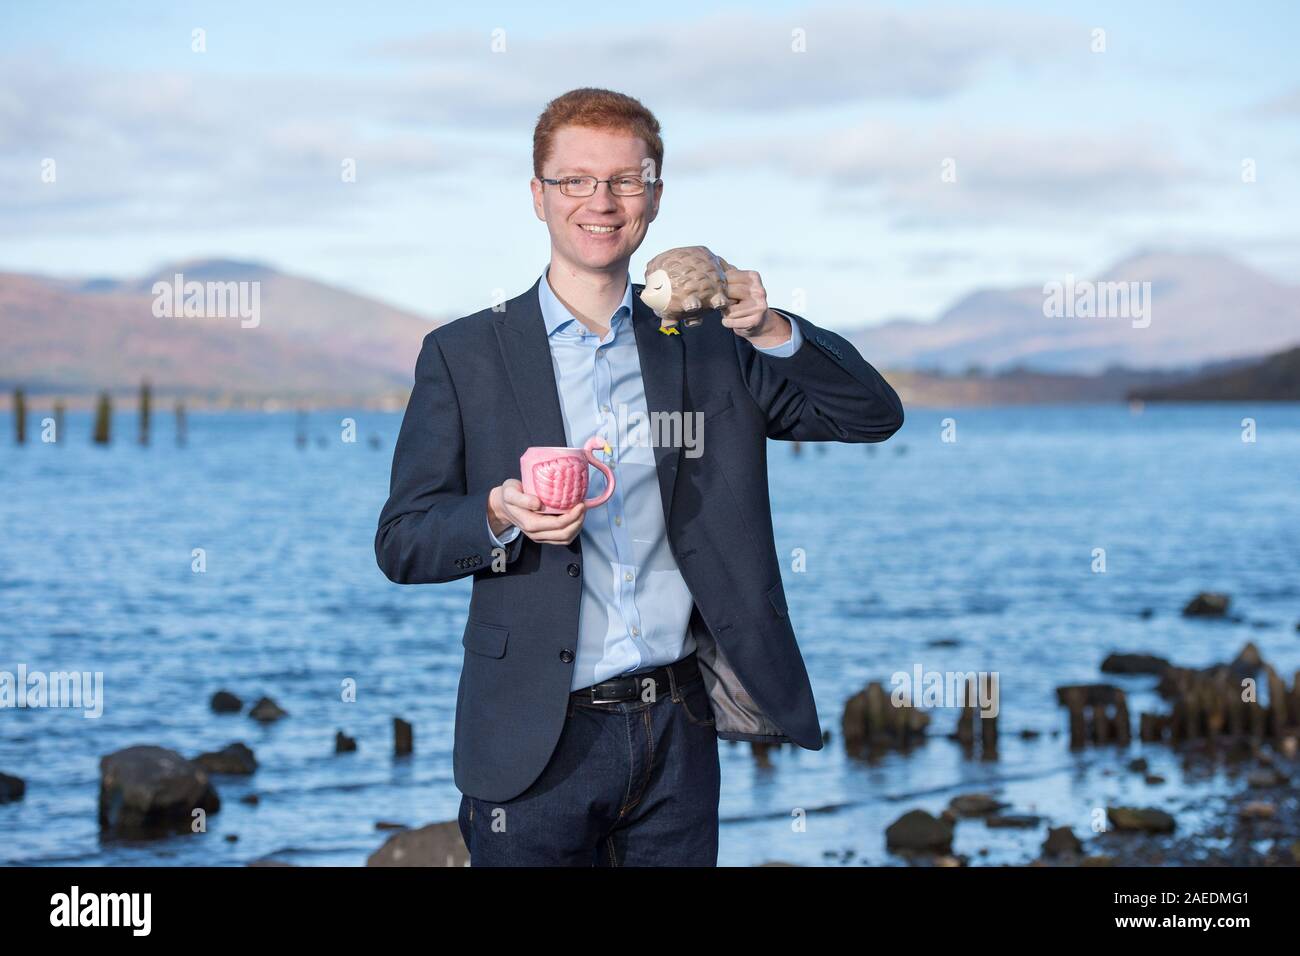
[(573, 570), (635, 630), (604, 408), (627, 576), (566, 655), (618, 519)]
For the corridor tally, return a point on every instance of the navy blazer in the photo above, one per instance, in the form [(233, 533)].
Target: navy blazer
[(485, 391)]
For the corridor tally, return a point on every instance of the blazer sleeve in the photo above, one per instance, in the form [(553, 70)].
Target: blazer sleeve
[(432, 529), (824, 391)]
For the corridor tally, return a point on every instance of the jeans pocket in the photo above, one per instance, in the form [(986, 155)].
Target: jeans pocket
[(695, 702)]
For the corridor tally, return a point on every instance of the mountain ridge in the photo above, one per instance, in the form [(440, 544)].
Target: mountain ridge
[(1205, 307)]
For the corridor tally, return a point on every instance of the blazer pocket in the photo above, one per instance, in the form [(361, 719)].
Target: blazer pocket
[(715, 405), (776, 594), (486, 639)]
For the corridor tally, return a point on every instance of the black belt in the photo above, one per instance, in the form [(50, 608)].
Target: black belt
[(632, 686)]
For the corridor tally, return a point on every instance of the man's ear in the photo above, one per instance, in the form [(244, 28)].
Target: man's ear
[(538, 188)]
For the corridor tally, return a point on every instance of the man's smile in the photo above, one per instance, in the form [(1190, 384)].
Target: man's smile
[(599, 231)]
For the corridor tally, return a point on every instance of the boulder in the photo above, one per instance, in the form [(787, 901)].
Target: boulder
[(1016, 821), (438, 844), (1207, 604), (1266, 777), (266, 710), (975, 804), (918, 830), (1061, 841), (224, 702), (11, 788), (1144, 819), (1133, 664), (147, 791), (1257, 810), (235, 759)]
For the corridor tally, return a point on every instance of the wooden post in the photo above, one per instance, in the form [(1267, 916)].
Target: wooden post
[(1277, 703), (1177, 721), (977, 719), (1258, 719), (103, 419), (182, 426), (144, 411), (1216, 720), (988, 736), (876, 706), (1149, 727), (20, 416), (403, 737), (58, 421), (1100, 722), (966, 726), (1123, 729), (1074, 698), (1236, 708)]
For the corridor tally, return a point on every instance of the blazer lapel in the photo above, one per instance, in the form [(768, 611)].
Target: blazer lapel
[(663, 361), (521, 333)]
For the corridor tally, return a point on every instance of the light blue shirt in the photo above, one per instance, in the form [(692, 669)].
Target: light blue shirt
[(635, 604)]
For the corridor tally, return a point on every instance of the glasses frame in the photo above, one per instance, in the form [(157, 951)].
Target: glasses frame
[(645, 185)]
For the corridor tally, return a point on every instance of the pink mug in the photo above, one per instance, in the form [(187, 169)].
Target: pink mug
[(558, 476)]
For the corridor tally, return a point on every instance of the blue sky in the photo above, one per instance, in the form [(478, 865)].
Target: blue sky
[(820, 169)]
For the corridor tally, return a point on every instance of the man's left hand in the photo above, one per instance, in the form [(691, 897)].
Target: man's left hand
[(748, 315)]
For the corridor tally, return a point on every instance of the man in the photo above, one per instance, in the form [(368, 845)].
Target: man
[(606, 653)]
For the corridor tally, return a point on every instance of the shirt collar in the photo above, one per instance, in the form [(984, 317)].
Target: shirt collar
[(557, 316)]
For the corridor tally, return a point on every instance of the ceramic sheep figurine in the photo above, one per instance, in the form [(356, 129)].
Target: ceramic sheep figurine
[(684, 283)]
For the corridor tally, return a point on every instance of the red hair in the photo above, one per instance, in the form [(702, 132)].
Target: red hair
[(597, 109)]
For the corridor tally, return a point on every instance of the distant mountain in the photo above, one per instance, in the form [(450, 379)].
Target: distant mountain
[(1276, 379), (310, 339), (1203, 308)]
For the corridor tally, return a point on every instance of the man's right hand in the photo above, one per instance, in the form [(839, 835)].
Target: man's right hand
[(509, 504)]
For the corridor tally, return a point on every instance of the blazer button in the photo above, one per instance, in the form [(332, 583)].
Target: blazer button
[(566, 655), (574, 570)]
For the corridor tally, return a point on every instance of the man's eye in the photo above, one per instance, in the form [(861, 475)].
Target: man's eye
[(627, 180), (574, 180)]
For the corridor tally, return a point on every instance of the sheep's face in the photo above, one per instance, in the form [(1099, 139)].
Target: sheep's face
[(658, 290), (620, 222)]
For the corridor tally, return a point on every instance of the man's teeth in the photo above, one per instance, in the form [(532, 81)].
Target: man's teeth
[(599, 228)]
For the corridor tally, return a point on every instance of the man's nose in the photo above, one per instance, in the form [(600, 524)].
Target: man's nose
[(603, 197)]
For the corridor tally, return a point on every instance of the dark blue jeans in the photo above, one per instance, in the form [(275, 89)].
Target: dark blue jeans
[(631, 783)]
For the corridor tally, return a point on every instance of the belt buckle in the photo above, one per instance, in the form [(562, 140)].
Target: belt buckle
[(603, 700)]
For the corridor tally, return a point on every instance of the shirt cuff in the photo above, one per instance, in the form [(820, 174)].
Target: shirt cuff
[(511, 533), (785, 349)]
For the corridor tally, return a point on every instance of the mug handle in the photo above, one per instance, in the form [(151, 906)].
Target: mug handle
[(592, 444)]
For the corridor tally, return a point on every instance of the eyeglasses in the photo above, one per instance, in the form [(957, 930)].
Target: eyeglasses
[(579, 186)]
